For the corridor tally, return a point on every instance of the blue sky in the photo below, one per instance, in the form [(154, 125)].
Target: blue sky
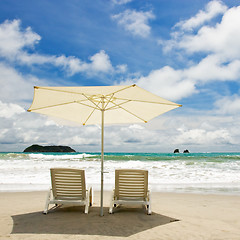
[(185, 51)]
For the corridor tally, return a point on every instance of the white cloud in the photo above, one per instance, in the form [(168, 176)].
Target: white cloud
[(129, 136), (212, 9), (201, 131), (136, 126), (8, 110), (120, 2), (212, 68), (228, 105), (122, 68), (100, 62), (15, 42), (22, 128), (220, 45), (223, 39), (203, 137), (25, 58), (13, 83), (220, 63), (135, 22), (167, 82), (175, 84)]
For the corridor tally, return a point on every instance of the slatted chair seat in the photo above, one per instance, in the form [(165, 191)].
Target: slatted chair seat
[(68, 188), (131, 187)]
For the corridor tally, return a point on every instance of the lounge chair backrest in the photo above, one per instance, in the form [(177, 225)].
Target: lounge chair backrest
[(131, 184), (68, 184)]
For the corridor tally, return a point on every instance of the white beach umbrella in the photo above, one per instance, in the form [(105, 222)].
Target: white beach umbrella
[(100, 105)]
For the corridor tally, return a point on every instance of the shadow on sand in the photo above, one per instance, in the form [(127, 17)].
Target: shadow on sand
[(71, 220)]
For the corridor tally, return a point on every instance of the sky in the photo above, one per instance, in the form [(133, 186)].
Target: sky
[(186, 51)]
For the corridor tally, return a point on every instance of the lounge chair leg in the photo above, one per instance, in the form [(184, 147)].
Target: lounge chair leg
[(110, 210), (90, 197), (149, 210), (87, 202), (47, 202), (86, 209), (111, 204)]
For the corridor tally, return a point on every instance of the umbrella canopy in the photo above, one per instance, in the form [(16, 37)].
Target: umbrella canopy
[(100, 105)]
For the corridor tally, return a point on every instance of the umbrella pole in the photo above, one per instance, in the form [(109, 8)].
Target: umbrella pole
[(102, 159)]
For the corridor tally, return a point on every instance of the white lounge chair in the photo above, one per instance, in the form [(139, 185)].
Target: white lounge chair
[(131, 188), (68, 188)]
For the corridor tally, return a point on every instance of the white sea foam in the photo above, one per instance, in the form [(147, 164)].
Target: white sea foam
[(27, 172), (67, 156)]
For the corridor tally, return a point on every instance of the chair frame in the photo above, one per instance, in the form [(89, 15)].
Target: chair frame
[(69, 188), (131, 188)]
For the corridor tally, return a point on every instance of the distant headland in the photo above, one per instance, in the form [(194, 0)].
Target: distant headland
[(39, 148)]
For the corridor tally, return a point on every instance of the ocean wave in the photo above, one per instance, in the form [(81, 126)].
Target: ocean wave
[(209, 170), (41, 156)]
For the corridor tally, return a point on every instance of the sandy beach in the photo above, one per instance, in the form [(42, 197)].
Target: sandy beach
[(175, 216)]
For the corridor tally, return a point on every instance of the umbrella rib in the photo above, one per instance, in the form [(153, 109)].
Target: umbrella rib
[(79, 102), (143, 101), (60, 104), (118, 105), (109, 100), (88, 98), (58, 90), (129, 100), (97, 105), (55, 105), (94, 108), (133, 85), (89, 115)]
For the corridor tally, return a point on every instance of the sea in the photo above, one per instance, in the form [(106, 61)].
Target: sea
[(204, 173)]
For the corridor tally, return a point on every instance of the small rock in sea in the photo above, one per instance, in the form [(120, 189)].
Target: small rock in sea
[(186, 151), (176, 151)]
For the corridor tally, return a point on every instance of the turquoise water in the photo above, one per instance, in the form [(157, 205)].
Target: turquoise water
[(222, 156), (194, 172)]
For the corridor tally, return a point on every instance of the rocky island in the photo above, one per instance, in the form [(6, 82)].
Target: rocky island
[(177, 151), (39, 148)]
